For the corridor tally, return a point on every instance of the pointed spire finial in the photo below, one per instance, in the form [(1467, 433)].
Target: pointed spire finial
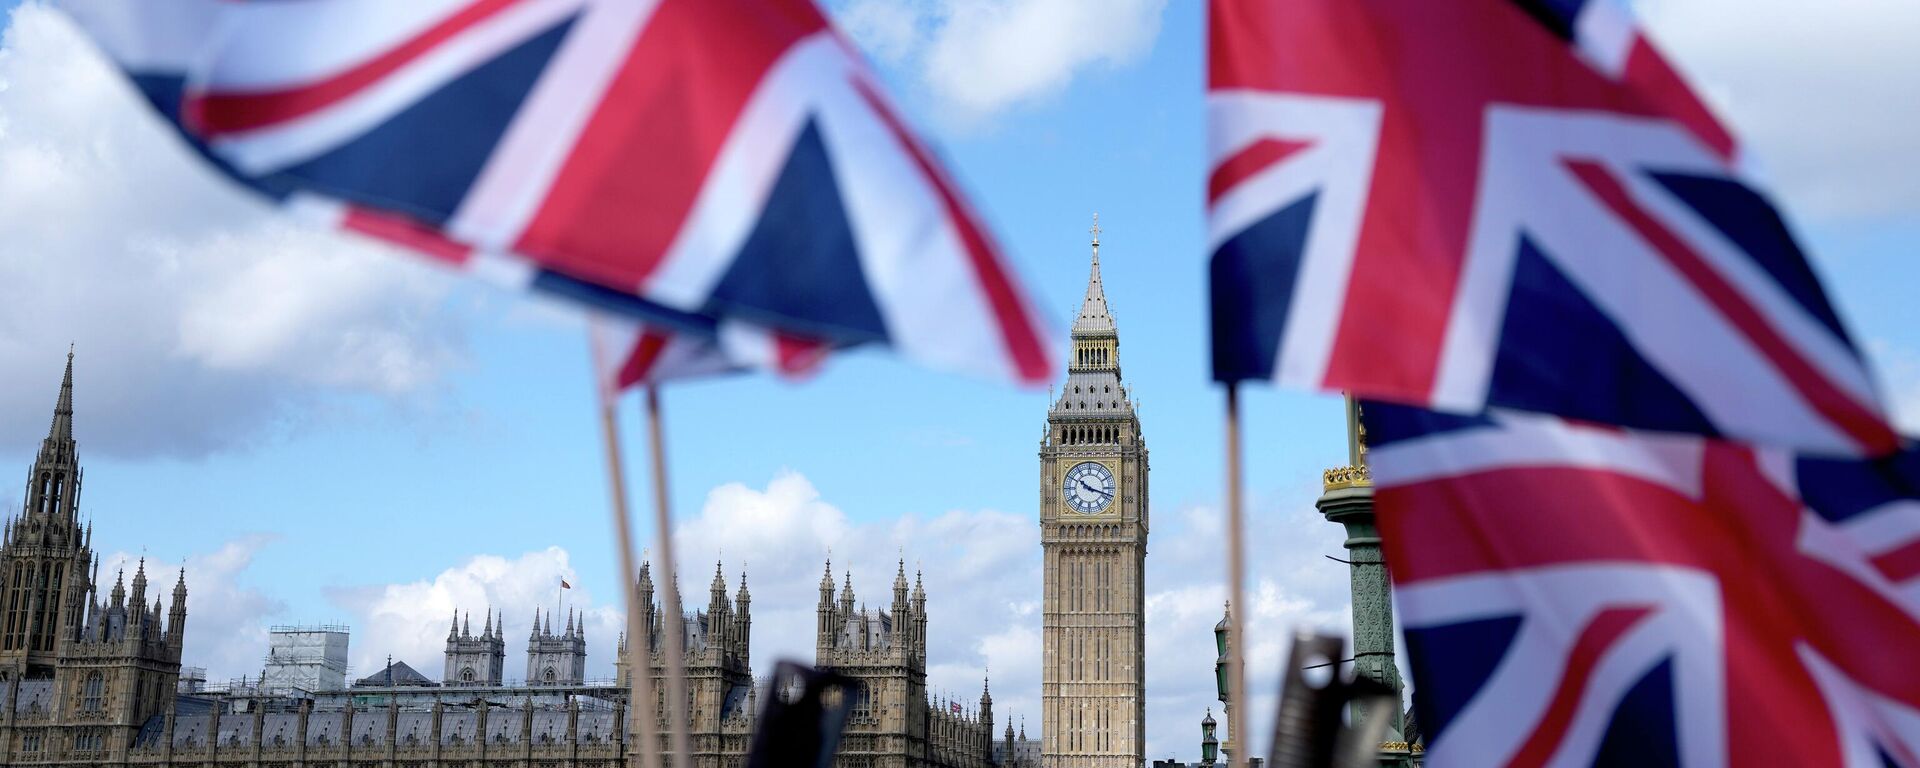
[(1094, 316), (62, 429)]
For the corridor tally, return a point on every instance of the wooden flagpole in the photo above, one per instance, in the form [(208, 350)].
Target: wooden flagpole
[(675, 628), (1236, 589), (640, 716)]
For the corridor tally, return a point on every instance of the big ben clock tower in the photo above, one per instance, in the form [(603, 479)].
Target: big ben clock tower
[(1093, 529)]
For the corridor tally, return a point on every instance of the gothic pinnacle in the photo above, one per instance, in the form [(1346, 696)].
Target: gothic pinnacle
[(1094, 315), (62, 430)]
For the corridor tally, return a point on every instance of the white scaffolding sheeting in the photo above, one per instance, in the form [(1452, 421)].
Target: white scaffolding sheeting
[(308, 658)]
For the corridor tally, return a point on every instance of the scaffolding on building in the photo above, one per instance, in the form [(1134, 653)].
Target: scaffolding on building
[(307, 658)]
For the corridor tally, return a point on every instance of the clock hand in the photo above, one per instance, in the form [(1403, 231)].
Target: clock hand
[(1084, 484)]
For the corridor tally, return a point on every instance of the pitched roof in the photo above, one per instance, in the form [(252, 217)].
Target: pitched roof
[(397, 673)]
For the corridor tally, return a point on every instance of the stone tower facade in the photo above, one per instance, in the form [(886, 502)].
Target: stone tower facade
[(556, 658), (893, 724), (476, 660), (1093, 530), (720, 686), (79, 675)]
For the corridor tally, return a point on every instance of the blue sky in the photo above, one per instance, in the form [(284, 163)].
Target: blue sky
[(422, 438)]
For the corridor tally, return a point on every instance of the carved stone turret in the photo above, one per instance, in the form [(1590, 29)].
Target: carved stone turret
[(475, 660)]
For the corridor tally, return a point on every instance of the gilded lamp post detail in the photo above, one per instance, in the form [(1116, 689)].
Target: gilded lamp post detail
[(1347, 499)]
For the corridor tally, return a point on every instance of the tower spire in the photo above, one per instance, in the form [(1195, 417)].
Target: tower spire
[(61, 432), (1094, 316)]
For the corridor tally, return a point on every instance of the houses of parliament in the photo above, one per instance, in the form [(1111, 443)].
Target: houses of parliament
[(87, 679)]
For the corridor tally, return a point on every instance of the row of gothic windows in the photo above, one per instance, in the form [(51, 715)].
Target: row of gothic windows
[(1089, 435), (23, 584), (89, 739), (51, 484), (1091, 356)]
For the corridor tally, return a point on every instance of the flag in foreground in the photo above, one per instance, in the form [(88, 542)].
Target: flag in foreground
[(691, 164), (628, 354), (1506, 203), (1578, 595)]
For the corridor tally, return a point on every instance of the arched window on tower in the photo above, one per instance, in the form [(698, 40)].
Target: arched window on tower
[(466, 675), (548, 676), (93, 693)]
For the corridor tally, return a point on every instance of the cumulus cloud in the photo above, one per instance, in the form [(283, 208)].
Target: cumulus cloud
[(200, 318), (982, 571), (1820, 93), (979, 57), (410, 621), (227, 621)]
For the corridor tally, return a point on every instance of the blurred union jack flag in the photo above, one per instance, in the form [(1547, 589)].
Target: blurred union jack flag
[(695, 165), (1586, 596), (1510, 203)]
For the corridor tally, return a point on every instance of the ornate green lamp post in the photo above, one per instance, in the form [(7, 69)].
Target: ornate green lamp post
[(1347, 499)]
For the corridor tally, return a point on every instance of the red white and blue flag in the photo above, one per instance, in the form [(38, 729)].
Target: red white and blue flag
[(1507, 203), (628, 354), (1579, 595), (691, 164)]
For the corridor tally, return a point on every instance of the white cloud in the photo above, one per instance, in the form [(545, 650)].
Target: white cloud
[(887, 29), (983, 581), (226, 621), (410, 621), (200, 318), (1820, 93), (979, 57)]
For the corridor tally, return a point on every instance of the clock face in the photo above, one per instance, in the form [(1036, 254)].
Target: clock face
[(1088, 488)]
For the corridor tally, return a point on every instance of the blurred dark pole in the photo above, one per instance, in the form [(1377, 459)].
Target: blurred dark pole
[(805, 714), (1308, 731)]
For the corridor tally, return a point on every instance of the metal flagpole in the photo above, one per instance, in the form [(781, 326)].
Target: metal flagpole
[(677, 716), (640, 716), (1236, 587)]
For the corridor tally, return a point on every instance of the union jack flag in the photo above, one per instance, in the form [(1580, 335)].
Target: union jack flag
[(697, 165), (627, 354), (1578, 595), (1508, 203)]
